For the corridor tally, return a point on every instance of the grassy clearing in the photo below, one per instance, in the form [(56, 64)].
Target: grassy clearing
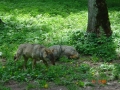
[(51, 22)]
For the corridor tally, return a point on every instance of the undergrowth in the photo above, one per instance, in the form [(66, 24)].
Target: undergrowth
[(101, 47), (65, 73)]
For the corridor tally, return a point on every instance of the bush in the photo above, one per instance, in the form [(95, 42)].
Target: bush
[(89, 44)]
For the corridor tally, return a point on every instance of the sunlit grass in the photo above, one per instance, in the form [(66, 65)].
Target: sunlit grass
[(51, 27)]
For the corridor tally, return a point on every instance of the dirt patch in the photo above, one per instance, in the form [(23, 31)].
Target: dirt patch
[(13, 85), (112, 85)]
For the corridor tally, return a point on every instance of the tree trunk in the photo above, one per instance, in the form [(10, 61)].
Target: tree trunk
[(98, 19)]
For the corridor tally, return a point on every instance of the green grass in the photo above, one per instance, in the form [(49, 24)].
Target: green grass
[(44, 22), (2, 87), (69, 73), (50, 22)]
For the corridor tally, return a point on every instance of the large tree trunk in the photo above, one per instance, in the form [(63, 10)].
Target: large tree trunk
[(98, 19)]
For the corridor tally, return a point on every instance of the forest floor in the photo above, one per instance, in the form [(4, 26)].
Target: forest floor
[(110, 85)]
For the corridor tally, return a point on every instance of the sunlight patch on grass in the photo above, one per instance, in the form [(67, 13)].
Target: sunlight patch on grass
[(47, 26), (114, 18)]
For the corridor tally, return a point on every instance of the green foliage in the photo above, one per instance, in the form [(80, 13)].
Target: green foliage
[(106, 71), (89, 44), (113, 4), (116, 72), (2, 87), (72, 87), (30, 86), (60, 74)]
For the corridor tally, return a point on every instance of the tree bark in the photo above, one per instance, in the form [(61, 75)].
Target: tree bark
[(98, 19)]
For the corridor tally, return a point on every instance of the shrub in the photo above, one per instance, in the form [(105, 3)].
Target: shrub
[(89, 44)]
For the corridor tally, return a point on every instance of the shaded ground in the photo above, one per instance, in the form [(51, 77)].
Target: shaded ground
[(23, 86), (111, 85)]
